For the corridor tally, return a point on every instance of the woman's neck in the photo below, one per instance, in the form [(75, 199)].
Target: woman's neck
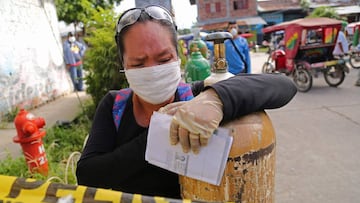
[(144, 110)]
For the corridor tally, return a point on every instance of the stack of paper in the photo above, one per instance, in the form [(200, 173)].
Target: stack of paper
[(207, 166)]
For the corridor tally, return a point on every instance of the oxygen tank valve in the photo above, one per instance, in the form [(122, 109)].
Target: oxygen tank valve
[(219, 67)]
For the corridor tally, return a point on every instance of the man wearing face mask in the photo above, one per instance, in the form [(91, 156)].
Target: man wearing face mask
[(73, 54), (114, 154), (237, 52)]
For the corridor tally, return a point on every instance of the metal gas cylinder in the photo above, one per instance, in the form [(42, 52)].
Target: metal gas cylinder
[(197, 67), (198, 44), (250, 170)]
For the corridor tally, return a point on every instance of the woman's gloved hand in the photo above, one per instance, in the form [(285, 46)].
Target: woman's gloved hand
[(194, 121), (171, 108)]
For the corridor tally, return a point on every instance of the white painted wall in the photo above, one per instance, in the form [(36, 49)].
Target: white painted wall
[(31, 57)]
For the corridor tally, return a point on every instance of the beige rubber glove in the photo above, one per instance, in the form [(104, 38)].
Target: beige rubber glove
[(171, 108), (194, 121)]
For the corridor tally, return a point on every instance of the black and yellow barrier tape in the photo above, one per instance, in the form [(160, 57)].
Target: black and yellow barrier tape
[(23, 190)]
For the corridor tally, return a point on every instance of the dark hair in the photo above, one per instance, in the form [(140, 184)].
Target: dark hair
[(119, 37), (231, 23), (70, 34)]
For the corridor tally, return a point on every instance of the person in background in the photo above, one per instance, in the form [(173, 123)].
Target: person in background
[(210, 46), (114, 154), (237, 52), (183, 52), (280, 42), (357, 83), (73, 55), (355, 42), (342, 46)]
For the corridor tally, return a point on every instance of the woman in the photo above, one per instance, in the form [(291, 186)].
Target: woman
[(114, 156)]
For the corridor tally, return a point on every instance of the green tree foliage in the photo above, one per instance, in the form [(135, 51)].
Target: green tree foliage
[(79, 11), (305, 5), (184, 31), (75, 11), (325, 11), (102, 61), (70, 11)]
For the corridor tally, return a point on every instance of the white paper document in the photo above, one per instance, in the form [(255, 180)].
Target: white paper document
[(207, 166)]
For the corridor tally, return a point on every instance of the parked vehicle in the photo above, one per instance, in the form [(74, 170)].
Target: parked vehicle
[(307, 52), (353, 35)]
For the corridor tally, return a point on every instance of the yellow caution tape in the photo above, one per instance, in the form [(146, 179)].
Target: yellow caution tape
[(21, 190)]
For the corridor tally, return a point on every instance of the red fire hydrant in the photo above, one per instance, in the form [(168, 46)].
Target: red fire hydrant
[(29, 135)]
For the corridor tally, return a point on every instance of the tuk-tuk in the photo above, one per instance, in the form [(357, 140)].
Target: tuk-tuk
[(307, 49), (353, 35), (351, 31)]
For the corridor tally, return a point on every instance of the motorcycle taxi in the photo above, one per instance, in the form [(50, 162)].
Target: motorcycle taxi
[(307, 49), (353, 35)]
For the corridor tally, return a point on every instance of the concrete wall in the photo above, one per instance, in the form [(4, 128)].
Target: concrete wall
[(32, 71)]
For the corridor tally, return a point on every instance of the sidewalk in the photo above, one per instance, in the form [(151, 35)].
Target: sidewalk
[(64, 108)]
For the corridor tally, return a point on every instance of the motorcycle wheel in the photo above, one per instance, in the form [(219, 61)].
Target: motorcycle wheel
[(268, 68), (355, 60), (302, 79), (334, 76)]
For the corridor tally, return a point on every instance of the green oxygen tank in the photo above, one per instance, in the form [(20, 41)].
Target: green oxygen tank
[(197, 67), (197, 42)]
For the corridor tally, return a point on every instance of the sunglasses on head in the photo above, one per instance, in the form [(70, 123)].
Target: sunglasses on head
[(130, 16)]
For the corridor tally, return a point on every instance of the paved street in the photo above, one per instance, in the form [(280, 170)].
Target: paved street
[(318, 138)]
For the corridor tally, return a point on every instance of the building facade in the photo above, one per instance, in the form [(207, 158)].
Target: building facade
[(347, 9), (278, 11), (216, 14), (32, 71), (252, 16)]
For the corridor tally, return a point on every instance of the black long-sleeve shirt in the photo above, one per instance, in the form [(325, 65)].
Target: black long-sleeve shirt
[(115, 159)]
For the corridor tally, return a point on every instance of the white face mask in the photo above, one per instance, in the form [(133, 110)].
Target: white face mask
[(155, 84), (234, 32), (72, 39)]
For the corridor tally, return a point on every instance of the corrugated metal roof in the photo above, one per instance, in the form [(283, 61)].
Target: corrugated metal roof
[(345, 10), (253, 20), (304, 22), (215, 26), (267, 6), (256, 20)]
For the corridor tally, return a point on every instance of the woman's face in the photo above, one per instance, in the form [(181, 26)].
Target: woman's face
[(147, 44)]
